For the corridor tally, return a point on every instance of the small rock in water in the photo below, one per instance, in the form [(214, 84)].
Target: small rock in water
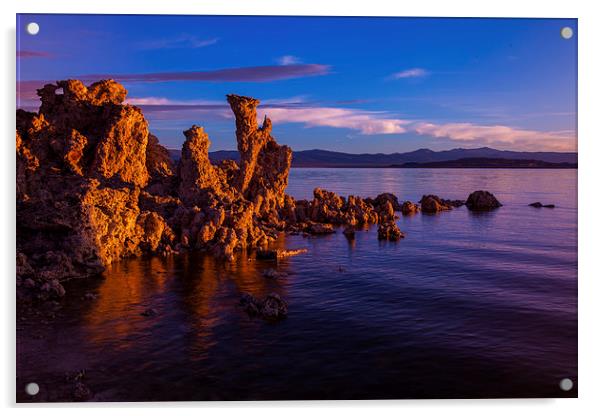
[(540, 205), (390, 231), (149, 312), (271, 308), (274, 307), (482, 201), (278, 254), (431, 204), (273, 274), (409, 208)]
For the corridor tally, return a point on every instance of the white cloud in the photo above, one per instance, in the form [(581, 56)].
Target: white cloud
[(366, 122), (296, 110), (288, 60), (410, 73)]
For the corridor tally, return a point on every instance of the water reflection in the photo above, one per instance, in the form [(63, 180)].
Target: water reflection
[(190, 293), (467, 305)]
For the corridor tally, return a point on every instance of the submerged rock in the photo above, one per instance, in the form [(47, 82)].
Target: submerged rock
[(273, 274), (349, 231), (540, 205), (271, 308), (264, 254), (150, 312), (482, 201), (456, 203)]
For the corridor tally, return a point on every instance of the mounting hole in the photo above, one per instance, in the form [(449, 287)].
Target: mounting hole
[(566, 32), (32, 389), (566, 384), (32, 28)]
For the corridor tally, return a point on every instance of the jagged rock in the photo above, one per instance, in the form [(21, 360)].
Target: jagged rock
[(540, 205), (158, 161), (80, 163), (264, 165), (326, 207), (387, 197), (330, 208), (482, 201), (389, 231), (386, 212), (93, 186), (432, 204), (199, 179), (409, 208)]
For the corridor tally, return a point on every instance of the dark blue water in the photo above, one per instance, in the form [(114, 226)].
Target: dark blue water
[(467, 305)]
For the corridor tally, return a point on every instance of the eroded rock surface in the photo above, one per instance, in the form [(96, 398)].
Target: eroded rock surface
[(432, 204), (94, 186)]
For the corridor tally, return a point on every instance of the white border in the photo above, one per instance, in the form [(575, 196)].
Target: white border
[(590, 276)]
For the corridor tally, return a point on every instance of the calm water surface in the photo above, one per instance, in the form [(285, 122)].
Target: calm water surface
[(467, 305)]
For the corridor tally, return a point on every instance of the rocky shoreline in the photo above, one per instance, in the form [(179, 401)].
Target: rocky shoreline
[(95, 186)]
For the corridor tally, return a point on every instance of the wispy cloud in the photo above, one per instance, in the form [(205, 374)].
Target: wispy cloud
[(24, 54), (26, 90), (288, 60), (409, 73), (243, 74), (159, 101), (182, 41)]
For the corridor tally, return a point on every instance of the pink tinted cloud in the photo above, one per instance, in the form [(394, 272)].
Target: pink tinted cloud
[(366, 122), (24, 54), (500, 135)]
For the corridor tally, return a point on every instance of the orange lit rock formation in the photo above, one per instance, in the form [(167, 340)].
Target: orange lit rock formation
[(94, 186)]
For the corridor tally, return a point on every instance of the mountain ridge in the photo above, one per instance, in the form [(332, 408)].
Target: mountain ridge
[(327, 158)]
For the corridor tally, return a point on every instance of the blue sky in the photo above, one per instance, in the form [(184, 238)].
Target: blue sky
[(347, 84)]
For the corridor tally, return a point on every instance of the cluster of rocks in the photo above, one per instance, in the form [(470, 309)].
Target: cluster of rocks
[(95, 186)]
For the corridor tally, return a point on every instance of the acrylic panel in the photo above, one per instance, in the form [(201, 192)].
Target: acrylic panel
[(289, 208)]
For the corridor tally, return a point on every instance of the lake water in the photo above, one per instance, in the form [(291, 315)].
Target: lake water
[(467, 305)]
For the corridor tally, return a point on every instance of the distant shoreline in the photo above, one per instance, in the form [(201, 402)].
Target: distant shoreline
[(431, 167)]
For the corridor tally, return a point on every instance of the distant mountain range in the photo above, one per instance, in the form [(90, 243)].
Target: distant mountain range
[(326, 158), (484, 162)]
